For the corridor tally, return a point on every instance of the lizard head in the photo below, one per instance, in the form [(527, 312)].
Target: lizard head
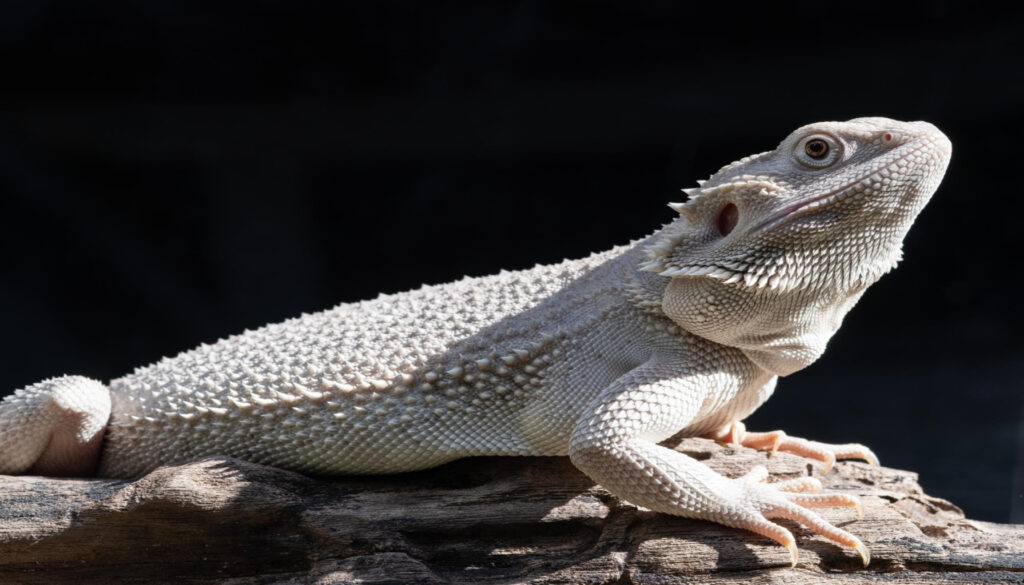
[(771, 251)]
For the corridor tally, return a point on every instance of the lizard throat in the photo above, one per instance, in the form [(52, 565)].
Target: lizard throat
[(853, 188)]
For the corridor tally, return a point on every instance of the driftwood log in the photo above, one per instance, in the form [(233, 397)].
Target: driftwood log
[(482, 520)]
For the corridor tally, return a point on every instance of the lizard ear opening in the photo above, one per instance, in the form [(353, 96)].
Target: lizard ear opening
[(728, 217)]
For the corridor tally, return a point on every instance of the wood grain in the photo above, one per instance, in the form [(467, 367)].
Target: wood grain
[(482, 520)]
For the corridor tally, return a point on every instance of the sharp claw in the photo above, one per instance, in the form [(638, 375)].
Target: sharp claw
[(865, 554), (871, 458), (860, 511), (794, 554), (857, 451)]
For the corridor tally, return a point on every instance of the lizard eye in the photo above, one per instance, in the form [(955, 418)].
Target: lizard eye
[(728, 217), (817, 151)]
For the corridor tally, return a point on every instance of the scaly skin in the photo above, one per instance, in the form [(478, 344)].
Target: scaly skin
[(600, 359)]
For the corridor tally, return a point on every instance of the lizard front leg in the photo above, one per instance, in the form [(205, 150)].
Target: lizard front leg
[(736, 433), (615, 444)]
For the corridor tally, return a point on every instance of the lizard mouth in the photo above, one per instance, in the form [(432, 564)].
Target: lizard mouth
[(853, 188)]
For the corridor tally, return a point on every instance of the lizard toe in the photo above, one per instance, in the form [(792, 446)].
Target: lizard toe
[(769, 502), (827, 501), (799, 485)]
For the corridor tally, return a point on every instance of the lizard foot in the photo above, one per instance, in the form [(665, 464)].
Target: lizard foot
[(773, 441), (760, 501)]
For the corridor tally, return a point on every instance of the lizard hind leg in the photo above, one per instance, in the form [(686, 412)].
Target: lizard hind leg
[(54, 427)]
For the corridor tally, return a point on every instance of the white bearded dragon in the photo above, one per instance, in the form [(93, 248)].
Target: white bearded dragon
[(683, 332)]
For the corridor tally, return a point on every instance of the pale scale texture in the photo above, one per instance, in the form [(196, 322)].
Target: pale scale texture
[(684, 332)]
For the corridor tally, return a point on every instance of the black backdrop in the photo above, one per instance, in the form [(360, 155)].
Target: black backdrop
[(172, 173)]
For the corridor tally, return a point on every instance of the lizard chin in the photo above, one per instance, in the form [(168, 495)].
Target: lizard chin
[(782, 332)]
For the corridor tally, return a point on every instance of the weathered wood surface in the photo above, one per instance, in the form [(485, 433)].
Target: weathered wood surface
[(484, 520)]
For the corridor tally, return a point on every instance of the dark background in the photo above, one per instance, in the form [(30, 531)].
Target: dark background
[(172, 173)]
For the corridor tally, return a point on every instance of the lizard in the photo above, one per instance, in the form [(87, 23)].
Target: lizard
[(681, 333)]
